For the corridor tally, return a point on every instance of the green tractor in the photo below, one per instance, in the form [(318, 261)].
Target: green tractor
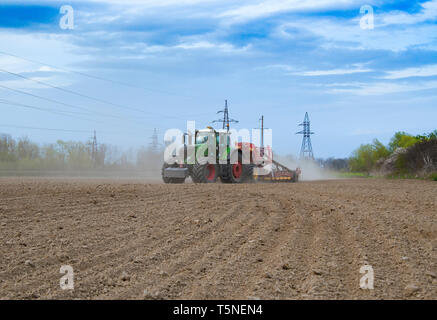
[(227, 165)]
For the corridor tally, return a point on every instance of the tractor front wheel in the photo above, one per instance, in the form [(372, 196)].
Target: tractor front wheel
[(205, 173)]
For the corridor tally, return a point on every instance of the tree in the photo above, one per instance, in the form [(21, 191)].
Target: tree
[(27, 149), (380, 151), (365, 158), (402, 140), (7, 148), (362, 159), (427, 137)]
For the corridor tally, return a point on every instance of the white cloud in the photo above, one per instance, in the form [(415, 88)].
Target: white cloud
[(51, 49), (16, 65), (156, 3), (348, 34), (48, 69), (424, 71), (428, 13), (269, 7), (142, 50), (291, 70), (224, 47), (22, 84), (380, 88), (149, 3), (394, 31), (332, 72)]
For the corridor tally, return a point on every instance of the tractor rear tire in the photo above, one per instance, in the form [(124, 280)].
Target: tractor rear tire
[(226, 179), (240, 173), (204, 173), (225, 173), (248, 173)]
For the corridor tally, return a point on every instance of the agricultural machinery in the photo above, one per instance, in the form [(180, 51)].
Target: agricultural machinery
[(231, 163)]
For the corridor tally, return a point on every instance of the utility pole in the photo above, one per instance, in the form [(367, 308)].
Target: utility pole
[(262, 132), (306, 150), (94, 149), (154, 145), (262, 135), (226, 120)]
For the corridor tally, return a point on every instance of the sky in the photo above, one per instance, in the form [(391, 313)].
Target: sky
[(129, 66)]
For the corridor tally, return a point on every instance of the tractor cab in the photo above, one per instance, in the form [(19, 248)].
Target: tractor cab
[(222, 140), (203, 135)]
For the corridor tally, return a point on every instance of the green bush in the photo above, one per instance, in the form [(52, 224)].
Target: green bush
[(422, 157), (400, 164), (368, 156), (402, 140), (364, 159), (427, 137)]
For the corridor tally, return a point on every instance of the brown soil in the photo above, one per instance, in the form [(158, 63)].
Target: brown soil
[(131, 240)]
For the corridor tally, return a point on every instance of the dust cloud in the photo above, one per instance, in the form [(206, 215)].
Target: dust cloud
[(310, 170)]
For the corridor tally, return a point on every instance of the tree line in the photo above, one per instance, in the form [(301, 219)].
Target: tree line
[(23, 154), (406, 153), (411, 153)]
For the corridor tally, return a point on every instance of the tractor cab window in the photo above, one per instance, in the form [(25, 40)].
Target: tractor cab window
[(201, 139), (224, 139)]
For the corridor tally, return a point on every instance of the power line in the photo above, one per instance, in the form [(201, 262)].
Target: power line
[(87, 96), (98, 77), (61, 103), (52, 100), (63, 130), (62, 113), (65, 104), (78, 93), (45, 129)]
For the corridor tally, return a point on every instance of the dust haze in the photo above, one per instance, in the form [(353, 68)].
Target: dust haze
[(311, 171)]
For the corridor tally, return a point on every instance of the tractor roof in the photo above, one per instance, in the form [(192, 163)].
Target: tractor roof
[(212, 130), (208, 129)]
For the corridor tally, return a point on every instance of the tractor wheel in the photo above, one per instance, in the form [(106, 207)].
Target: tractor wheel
[(224, 173), (226, 179), (240, 173), (170, 180), (205, 173), (248, 172)]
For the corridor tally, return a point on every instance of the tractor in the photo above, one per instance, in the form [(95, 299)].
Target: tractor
[(212, 169), (230, 164)]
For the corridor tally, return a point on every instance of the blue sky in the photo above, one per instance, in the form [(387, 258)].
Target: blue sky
[(183, 58)]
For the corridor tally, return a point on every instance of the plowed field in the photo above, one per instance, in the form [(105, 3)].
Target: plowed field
[(134, 240)]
